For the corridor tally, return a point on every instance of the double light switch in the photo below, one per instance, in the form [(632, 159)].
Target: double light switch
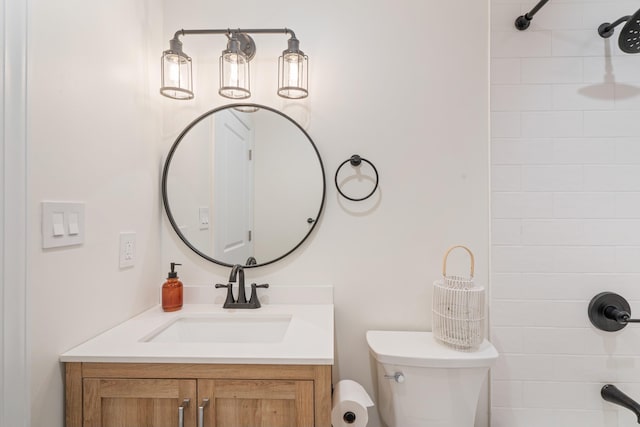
[(62, 224)]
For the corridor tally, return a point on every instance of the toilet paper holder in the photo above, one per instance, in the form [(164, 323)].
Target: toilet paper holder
[(610, 312)]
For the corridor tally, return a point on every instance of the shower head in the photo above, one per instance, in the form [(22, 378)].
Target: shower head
[(629, 38)]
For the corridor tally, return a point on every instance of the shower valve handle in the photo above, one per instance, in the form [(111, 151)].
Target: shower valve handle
[(610, 312)]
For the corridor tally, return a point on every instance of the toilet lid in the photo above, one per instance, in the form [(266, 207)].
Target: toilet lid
[(421, 349)]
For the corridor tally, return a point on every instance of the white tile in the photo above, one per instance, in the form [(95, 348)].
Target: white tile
[(505, 71), (552, 178), (522, 205), (583, 97), (611, 123), (612, 178), (553, 232), (523, 367), (523, 417), (520, 44), (529, 151), (559, 16), (618, 232), (575, 286), (621, 70), (552, 124), (584, 151), (507, 339), (520, 97), (627, 205), (506, 393), (584, 205), (584, 259), (627, 96), (506, 232), (577, 43), (514, 259), (507, 286), (537, 151), (505, 124), (506, 151), (551, 70), (627, 260), (505, 178), (627, 150), (562, 395)]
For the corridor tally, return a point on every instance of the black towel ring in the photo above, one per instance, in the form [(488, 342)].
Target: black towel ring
[(356, 161)]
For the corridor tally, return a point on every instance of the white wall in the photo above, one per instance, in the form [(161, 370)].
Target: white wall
[(425, 129), (93, 126), (565, 210)]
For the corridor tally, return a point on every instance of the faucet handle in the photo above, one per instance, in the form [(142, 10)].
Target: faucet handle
[(229, 299), (253, 300)]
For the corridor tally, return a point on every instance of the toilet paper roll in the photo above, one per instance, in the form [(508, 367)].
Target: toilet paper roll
[(349, 406)]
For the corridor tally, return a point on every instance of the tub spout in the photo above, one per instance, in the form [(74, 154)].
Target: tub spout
[(612, 394)]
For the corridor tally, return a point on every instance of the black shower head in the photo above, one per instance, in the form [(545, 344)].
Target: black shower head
[(629, 39)]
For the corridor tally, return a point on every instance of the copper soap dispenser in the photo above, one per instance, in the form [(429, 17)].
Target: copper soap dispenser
[(172, 291)]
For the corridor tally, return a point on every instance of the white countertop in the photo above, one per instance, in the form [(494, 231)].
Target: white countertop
[(307, 341)]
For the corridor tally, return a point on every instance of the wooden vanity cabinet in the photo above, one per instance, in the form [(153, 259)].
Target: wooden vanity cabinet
[(149, 394)]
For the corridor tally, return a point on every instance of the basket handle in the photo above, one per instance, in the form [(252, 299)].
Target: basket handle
[(446, 255)]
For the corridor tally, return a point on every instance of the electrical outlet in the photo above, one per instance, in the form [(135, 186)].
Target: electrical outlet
[(127, 249)]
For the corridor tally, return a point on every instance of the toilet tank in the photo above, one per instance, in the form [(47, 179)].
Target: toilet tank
[(421, 382)]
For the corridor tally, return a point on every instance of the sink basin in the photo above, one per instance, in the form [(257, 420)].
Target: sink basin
[(223, 328)]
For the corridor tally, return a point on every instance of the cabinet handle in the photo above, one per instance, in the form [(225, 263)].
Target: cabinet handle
[(205, 402), (185, 404)]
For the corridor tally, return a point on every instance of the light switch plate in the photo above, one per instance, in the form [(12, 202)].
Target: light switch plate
[(127, 249), (62, 224)]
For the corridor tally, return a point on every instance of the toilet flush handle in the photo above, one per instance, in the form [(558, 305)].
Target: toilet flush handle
[(398, 377)]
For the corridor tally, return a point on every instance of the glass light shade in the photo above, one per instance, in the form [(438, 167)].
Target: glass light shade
[(292, 75), (234, 75), (177, 81)]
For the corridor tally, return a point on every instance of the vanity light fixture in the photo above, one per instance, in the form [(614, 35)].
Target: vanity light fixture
[(177, 82)]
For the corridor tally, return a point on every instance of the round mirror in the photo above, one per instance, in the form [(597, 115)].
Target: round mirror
[(243, 184)]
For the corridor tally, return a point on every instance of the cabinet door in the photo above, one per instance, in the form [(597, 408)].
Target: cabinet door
[(137, 403), (257, 403)]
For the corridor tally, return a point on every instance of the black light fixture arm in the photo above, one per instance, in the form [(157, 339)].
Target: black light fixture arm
[(247, 45), (229, 31), (523, 21), (606, 30)]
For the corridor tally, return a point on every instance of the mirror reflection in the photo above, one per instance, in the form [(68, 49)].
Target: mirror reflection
[(243, 184)]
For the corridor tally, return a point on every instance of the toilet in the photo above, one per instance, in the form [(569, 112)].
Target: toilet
[(423, 383)]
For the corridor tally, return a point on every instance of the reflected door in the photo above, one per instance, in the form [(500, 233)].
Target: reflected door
[(233, 187)]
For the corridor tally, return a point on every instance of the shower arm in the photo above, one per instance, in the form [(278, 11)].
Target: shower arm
[(606, 30), (523, 21)]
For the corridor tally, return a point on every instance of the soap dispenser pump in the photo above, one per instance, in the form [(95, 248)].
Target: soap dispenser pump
[(172, 291)]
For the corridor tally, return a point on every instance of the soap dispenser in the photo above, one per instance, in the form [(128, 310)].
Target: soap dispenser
[(172, 291)]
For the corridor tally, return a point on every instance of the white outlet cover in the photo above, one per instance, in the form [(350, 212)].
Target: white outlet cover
[(127, 249)]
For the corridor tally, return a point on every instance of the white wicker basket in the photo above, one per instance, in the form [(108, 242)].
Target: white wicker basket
[(458, 308)]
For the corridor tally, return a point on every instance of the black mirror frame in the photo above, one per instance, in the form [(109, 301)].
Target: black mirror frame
[(165, 171)]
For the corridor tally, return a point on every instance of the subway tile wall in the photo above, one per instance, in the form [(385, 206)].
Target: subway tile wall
[(565, 153)]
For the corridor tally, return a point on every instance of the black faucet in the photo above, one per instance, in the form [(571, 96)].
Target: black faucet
[(612, 394), (241, 302), (232, 278)]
